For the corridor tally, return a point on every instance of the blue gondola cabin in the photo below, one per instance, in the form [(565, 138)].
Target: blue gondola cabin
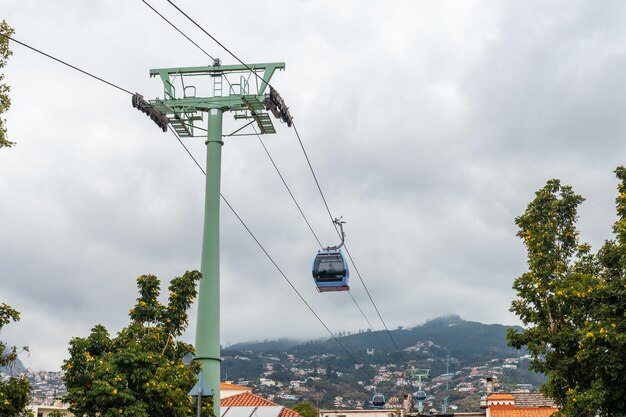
[(330, 271)]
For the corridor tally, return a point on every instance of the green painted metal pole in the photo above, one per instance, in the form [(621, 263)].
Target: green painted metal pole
[(208, 323)]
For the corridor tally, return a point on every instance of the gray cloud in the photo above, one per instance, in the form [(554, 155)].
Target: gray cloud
[(430, 126)]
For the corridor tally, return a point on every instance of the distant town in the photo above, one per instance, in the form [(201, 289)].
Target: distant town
[(450, 363)]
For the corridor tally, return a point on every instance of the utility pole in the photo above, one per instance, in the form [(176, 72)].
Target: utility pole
[(246, 97)]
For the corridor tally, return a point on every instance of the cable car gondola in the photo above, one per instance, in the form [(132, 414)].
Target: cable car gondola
[(418, 399), (330, 269), (378, 401)]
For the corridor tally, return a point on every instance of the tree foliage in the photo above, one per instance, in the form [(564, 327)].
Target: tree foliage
[(5, 100), (573, 304), (140, 372), (305, 409), (14, 391)]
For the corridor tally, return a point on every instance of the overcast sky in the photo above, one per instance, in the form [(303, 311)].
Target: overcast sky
[(429, 124)]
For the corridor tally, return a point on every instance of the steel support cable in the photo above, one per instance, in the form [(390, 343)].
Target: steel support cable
[(303, 149), (179, 31), (186, 149), (288, 281), (216, 41), (199, 166), (367, 320), (223, 198), (269, 256), (65, 63), (319, 188), (74, 67), (310, 227), (371, 299), (287, 187), (305, 154)]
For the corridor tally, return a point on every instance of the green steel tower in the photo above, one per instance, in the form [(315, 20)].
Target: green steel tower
[(245, 95)]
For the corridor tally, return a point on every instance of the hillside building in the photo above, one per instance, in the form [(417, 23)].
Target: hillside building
[(45, 410), (228, 389)]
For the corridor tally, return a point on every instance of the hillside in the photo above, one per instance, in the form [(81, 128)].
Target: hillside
[(465, 340), (265, 346), (458, 353)]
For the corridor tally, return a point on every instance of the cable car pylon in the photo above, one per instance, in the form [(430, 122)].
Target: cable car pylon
[(330, 268), (183, 111), (420, 395)]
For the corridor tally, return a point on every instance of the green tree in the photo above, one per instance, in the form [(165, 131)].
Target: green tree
[(5, 100), (140, 372), (305, 409), (14, 391), (573, 304)]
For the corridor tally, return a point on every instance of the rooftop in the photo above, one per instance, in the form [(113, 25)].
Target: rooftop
[(519, 405), (532, 399), (228, 386), (248, 399), (521, 412)]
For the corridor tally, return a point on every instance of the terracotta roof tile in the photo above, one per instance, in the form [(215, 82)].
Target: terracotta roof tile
[(227, 386), (286, 412), (522, 412), (246, 399), (532, 399), (500, 396)]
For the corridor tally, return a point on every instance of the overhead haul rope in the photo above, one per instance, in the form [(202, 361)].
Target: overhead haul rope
[(201, 169), (308, 161)]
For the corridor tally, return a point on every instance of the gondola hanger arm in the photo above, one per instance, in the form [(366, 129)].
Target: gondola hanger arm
[(339, 223)]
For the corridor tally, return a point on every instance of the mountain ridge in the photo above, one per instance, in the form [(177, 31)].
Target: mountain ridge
[(456, 335)]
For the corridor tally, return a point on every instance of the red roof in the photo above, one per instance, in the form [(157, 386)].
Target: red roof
[(530, 405), (521, 412), (228, 386), (500, 397), (287, 412), (248, 399)]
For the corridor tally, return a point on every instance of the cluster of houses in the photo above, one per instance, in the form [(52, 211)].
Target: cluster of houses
[(240, 401), (467, 381), (46, 386), (471, 380)]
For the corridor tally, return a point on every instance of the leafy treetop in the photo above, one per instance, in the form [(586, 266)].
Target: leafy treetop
[(14, 390), (141, 372), (5, 100), (573, 303), (305, 409)]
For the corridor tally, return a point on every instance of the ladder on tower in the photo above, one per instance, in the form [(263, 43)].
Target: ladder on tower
[(217, 85)]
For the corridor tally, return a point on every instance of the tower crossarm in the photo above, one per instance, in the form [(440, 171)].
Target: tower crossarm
[(264, 71), (247, 98)]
